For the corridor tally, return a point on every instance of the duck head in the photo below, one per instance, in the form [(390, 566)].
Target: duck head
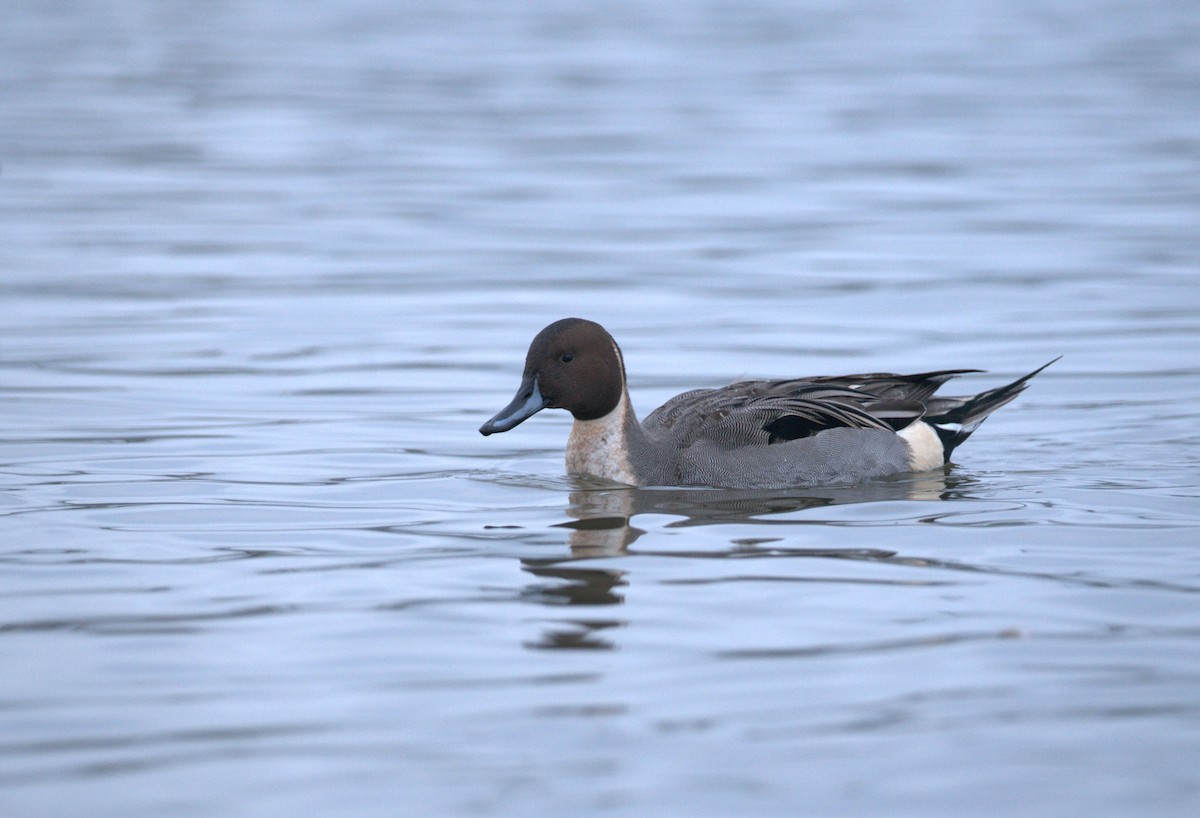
[(572, 364)]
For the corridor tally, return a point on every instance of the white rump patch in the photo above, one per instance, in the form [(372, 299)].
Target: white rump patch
[(925, 450)]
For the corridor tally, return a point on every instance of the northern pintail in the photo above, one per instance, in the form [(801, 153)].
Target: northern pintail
[(751, 434)]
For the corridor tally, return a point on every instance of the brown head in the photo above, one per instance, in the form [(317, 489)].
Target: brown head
[(572, 364)]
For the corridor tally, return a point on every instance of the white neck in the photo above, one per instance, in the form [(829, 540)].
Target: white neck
[(600, 447)]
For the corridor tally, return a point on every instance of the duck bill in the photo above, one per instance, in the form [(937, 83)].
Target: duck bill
[(526, 404)]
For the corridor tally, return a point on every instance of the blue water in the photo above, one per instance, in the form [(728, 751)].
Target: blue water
[(265, 267)]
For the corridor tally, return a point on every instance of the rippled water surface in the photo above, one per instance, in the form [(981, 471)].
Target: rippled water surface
[(265, 267)]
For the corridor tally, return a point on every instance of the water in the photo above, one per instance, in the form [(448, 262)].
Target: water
[(266, 267)]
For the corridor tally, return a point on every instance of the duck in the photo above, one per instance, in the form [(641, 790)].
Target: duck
[(755, 434)]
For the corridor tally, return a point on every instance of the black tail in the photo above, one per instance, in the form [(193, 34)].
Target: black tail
[(954, 419)]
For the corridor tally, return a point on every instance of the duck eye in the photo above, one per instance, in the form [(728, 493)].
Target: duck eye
[(567, 357)]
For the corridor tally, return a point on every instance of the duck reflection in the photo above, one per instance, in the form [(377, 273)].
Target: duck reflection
[(576, 635), (601, 526), (602, 515), (583, 586), (569, 585)]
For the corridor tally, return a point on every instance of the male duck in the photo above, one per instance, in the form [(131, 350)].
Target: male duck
[(751, 434)]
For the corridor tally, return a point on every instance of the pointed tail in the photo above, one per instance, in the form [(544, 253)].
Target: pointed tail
[(954, 419)]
